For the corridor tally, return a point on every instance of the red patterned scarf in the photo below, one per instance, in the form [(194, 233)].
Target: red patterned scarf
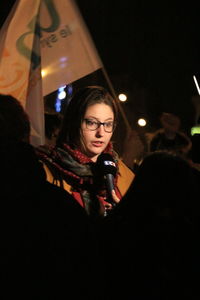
[(77, 170)]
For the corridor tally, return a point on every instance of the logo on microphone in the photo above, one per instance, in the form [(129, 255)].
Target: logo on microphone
[(109, 163)]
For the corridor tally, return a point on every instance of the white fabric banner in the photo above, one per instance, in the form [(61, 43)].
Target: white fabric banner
[(19, 76), (67, 50), (47, 35)]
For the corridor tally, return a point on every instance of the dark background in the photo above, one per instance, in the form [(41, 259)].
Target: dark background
[(150, 51)]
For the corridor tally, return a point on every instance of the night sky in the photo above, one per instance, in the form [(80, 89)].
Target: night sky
[(150, 50)]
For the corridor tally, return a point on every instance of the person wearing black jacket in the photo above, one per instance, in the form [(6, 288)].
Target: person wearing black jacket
[(48, 247)]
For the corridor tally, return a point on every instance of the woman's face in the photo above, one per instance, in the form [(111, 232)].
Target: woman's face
[(95, 141)]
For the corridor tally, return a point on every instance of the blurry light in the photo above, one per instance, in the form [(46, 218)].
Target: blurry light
[(63, 59), (61, 92), (58, 105), (61, 95), (43, 73), (195, 130), (69, 89), (142, 122), (122, 97), (62, 88)]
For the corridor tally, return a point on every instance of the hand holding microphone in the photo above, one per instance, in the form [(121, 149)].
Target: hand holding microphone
[(107, 169), (114, 196)]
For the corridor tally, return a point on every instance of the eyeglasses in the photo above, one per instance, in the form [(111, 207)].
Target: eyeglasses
[(93, 125)]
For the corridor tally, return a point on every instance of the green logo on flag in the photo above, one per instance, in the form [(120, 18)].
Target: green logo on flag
[(36, 30)]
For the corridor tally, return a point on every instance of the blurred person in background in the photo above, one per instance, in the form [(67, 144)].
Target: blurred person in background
[(170, 137), (52, 126), (133, 150)]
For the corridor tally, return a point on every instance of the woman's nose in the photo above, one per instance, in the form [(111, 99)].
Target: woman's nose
[(100, 131)]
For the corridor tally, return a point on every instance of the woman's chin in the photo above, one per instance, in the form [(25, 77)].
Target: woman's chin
[(94, 155)]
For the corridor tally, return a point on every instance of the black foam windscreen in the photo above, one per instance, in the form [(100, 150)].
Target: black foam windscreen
[(106, 164)]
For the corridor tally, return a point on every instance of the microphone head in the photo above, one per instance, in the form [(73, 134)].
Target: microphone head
[(106, 164)]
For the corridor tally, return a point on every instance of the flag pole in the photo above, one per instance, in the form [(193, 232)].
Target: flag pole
[(196, 83), (128, 126), (101, 65)]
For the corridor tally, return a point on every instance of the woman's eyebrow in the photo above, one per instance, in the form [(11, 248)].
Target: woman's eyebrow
[(91, 117)]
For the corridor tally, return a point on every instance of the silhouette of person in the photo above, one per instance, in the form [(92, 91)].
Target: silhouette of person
[(48, 246), (152, 235)]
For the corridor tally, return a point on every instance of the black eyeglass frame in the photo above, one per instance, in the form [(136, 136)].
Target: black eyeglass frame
[(98, 124)]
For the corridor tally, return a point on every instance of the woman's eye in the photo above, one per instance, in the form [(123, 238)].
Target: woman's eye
[(91, 122), (109, 124)]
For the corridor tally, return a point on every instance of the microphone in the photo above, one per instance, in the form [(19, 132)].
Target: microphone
[(107, 168)]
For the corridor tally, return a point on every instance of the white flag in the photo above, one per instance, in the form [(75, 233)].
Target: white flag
[(67, 50), (48, 36), (20, 73)]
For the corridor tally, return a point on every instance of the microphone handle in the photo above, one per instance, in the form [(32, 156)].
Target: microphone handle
[(110, 183), (110, 186)]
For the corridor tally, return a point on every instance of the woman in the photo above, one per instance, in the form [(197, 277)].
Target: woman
[(86, 132)]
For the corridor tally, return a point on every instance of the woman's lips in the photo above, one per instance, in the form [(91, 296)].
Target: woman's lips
[(97, 144)]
